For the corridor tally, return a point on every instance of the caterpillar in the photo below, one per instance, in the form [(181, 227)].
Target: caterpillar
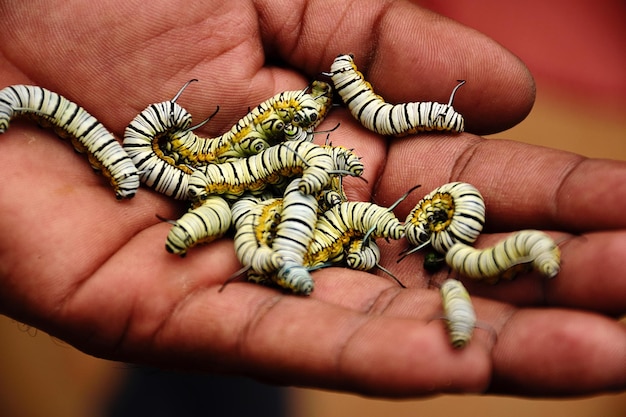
[(458, 312), (162, 144), (255, 221), (142, 139), (387, 119), (201, 224), (522, 251), (297, 133), (294, 233), (453, 212), (260, 128), (272, 237), (346, 221), (69, 120), (362, 256), (316, 163), (336, 227)]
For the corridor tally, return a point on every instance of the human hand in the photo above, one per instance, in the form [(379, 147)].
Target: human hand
[(94, 272)]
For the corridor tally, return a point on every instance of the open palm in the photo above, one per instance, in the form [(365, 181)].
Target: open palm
[(93, 271)]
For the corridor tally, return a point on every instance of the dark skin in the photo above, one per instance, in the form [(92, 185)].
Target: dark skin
[(93, 271)]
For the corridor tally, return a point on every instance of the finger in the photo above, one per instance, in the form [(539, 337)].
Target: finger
[(577, 336), (559, 352), (524, 186), (407, 53)]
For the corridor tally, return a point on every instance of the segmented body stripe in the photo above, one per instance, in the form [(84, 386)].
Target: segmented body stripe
[(387, 119), (362, 257), (297, 133), (521, 251), (459, 312), (72, 121), (252, 246)]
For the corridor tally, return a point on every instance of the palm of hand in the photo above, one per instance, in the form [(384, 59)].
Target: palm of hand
[(93, 271)]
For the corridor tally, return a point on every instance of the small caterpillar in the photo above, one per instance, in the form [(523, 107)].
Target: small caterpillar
[(260, 128), (458, 311), (255, 222), (346, 221), (294, 234), (272, 237), (141, 141)]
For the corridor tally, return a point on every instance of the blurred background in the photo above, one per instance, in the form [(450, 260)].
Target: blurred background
[(576, 50)]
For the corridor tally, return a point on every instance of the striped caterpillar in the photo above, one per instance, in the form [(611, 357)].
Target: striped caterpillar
[(71, 121), (316, 163), (453, 212), (458, 312), (521, 251), (388, 119)]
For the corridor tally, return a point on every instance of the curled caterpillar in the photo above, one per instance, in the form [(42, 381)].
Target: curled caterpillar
[(522, 251), (71, 121), (255, 222), (388, 119), (337, 226), (142, 139), (272, 237), (458, 311), (362, 256), (454, 212)]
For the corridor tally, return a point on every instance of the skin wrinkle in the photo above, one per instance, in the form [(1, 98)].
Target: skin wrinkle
[(270, 43), (566, 176), (372, 54), (465, 158), (68, 300), (78, 285), (345, 346), (383, 300), (380, 172), (259, 315)]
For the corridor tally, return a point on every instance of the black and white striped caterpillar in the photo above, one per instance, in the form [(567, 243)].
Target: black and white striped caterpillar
[(458, 312), (317, 164), (69, 120), (522, 251), (388, 119), (453, 212), (142, 139), (205, 223), (261, 128)]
